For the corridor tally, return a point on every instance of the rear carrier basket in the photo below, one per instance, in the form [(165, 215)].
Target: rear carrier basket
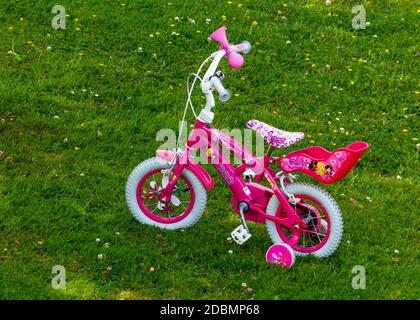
[(323, 165)]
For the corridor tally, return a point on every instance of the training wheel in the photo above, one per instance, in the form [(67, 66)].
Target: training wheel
[(281, 254)]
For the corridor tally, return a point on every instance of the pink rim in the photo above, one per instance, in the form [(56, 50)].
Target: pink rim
[(158, 218), (285, 238)]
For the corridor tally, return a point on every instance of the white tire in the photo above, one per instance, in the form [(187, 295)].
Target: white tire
[(131, 199), (330, 205)]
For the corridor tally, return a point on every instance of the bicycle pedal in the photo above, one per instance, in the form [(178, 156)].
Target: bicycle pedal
[(240, 235)]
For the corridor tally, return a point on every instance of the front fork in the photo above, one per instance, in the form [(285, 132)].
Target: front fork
[(180, 161)]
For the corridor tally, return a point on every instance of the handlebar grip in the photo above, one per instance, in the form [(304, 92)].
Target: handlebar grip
[(244, 47), (224, 95)]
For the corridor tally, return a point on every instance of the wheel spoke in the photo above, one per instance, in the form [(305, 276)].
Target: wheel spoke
[(150, 205), (180, 188), (303, 239), (156, 181), (317, 235), (313, 232)]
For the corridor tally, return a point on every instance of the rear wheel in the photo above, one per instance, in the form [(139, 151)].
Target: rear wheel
[(144, 187), (319, 211)]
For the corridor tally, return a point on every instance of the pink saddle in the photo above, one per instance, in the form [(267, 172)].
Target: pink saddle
[(275, 137)]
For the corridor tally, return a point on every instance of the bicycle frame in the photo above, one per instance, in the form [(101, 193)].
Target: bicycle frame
[(212, 142)]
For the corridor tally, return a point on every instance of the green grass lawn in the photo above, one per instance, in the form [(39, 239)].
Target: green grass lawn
[(80, 108)]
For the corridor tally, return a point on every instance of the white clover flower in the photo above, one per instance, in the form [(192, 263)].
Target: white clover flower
[(230, 251), (397, 251), (98, 240), (398, 177), (100, 256), (208, 21), (288, 42), (243, 284), (49, 48), (106, 245)]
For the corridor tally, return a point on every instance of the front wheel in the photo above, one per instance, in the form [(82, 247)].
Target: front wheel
[(143, 189), (319, 211)]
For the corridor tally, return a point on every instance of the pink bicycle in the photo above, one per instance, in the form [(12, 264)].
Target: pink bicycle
[(169, 190)]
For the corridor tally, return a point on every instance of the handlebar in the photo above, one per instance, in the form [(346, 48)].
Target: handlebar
[(212, 80), (244, 47), (224, 95), (235, 60)]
